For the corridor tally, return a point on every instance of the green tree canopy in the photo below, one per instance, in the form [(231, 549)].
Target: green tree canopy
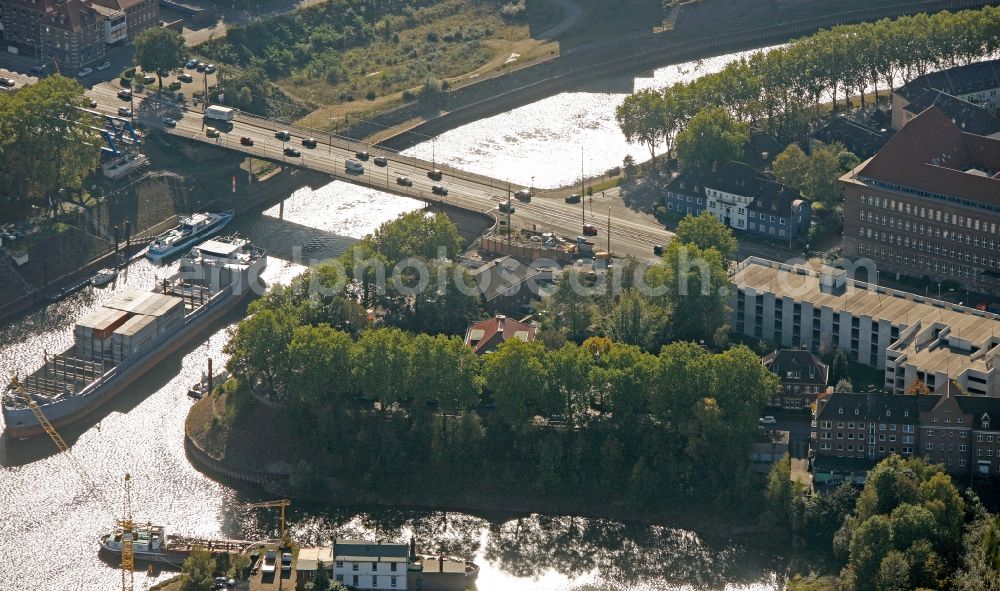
[(198, 570), (515, 376), (159, 49), (711, 137), (705, 231)]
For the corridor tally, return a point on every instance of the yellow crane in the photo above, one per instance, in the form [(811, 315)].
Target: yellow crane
[(281, 504), (126, 523)]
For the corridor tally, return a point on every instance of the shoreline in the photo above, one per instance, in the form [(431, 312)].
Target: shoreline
[(201, 423)]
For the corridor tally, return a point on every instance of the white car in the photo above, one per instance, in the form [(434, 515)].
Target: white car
[(85, 72), (104, 66), (768, 420), (170, 122)]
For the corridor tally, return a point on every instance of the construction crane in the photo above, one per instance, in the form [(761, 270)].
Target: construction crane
[(281, 504), (126, 523)]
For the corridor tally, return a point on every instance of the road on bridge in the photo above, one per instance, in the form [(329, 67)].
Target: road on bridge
[(632, 233)]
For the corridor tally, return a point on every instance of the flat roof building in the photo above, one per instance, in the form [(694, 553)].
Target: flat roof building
[(909, 336)]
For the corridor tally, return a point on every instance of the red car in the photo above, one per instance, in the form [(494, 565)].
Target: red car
[(246, 141), (589, 230)]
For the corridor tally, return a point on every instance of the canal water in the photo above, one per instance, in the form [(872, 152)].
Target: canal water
[(50, 520), (545, 143)]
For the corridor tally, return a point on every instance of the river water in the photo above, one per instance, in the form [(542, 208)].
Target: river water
[(50, 519)]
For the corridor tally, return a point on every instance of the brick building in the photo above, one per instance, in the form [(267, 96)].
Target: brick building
[(928, 205), (139, 14), (21, 21), (802, 375), (852, 432), (73, 34), (742, 198), (976, 83)]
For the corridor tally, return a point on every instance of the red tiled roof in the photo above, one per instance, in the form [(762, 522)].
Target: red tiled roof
[(487, 335), (932, 154), (70, 15)]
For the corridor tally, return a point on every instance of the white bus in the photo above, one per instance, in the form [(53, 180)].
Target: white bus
[(220, 113)]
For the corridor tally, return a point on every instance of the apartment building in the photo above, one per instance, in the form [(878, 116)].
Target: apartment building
[(742, 198), (928, 205), (21, 20), (976, 83), (852, 432), (367, 565), (73, 34), (909, 336)]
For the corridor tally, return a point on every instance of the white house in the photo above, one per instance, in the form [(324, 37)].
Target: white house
[(368, 565)]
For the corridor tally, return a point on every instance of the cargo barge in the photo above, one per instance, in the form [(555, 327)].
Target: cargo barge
[(119, 342), (151, 545)]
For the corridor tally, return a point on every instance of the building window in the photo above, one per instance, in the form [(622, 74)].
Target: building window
[(375, 581), (374, 566), (930, 432), (340, 578), (354, 566), (392, 566), (961, 447), (355, 580), (340, 564), (394, 579), (930, 447)]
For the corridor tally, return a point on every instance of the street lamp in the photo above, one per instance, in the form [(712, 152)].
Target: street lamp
[(532, 189)]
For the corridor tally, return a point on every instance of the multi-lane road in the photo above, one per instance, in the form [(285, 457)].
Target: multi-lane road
[(632, 232)]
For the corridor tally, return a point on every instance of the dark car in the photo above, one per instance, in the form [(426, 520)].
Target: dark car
[(200, 67), (404, 181), (435, 175), (185, 77), (246, 141), (658, 250), (283, 135), (574, 198), (7, 82), (589, 230), (439, 190), (361, 155), (290, 151), (505, 207), (191, 64), (381, 161), (93, 104), (124, 111), (523, 195), (210, 69), (125, 94), (309, 142)]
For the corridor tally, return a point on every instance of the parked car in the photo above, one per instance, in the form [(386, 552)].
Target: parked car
[(381, 161), (125, 94), (7, 82), (404, 181), (589, 230), (200, 67), (309, 142), (505, 207), (185, 77), (191, 64), (658, 250), (170, 122), (523, 195), (93, 104), (269, 562), (768, 420), (435, 175), (39, 69), (283, 135), (439, 190), (148, 79), (246, 141), (104, 66), (354, 166), (85, 72), (125, 111), (211, 132), (290, 151), (210, 69), (286, 561), (362, 155), (574, 198)]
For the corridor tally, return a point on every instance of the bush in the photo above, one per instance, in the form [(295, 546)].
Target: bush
[(613, 171), (370, 95), (409, 96), (125, 82), (128, 73)]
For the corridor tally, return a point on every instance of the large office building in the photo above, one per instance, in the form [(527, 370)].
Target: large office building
[(911, 337), (928, 205)]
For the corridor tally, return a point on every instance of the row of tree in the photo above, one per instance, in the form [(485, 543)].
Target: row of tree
[(778, 86), (48, 145)]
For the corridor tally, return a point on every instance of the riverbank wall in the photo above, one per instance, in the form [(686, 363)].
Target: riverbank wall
[(502, 93)]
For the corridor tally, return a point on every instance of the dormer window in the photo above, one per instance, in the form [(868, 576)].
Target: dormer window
[(934, 420), (906, 413), (986, 423), (857, 411), (958, 420), (947, 419), (840, 410), (888, 413)]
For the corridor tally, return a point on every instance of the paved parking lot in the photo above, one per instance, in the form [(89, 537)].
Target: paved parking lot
[(20, 80)]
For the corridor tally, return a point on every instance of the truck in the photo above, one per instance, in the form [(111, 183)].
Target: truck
[(220, 113)]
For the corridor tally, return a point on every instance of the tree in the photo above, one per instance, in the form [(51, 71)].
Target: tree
[(380, 363), (780, 493), (444, 307), (843, 385), (705, 231), (893, 573), (839, 367), (634, 321), (198, 571), (568, 309), (695, 287), (569, 379), (322, 580), (258, 351), (159, 50), (48, 145), (515, 375), (416, 234), (711, 137), (791, 167), (641, 117), (319, 363)]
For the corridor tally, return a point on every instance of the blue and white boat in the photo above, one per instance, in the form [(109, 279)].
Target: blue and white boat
[(191, 229)]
